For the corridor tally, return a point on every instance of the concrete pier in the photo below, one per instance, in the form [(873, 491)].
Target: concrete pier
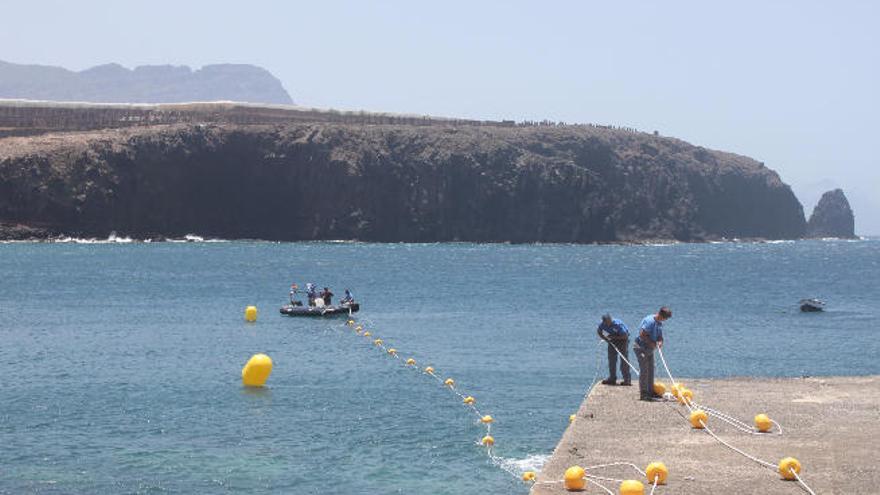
[(830, 424)]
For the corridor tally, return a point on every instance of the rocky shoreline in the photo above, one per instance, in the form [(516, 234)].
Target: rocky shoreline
[(387, 183)]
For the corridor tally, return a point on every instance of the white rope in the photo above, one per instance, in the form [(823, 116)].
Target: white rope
[(600, 485), (654, 484), (804, 485)]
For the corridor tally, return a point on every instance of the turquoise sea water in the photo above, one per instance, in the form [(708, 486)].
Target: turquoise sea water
[(121, 362)]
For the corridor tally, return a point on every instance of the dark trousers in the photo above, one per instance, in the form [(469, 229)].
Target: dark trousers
[(620, 345), (646, 371)]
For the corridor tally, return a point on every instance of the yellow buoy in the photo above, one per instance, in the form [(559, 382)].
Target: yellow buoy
[(410, 362), (657, 470), (250, 314), (487, 419), (685, 396), (488, 441), (787, 465), (449, 382), (574, 478), (358, 328), (468, 400), (367, 334), (350, 322), (676, 389), (632, 487), (659, 388), (571, 418), (763, 423), (699, 418), (256, 371), (392, 351), (429, 370), (528, 476), (378, 341)]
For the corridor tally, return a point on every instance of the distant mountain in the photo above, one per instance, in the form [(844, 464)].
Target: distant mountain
[(113, 83)]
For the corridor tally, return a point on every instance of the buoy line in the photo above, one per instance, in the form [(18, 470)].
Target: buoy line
[(575, 478), (789, 468), (731, 420)]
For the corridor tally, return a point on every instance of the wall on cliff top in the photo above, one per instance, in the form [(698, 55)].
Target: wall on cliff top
[(391, 183)]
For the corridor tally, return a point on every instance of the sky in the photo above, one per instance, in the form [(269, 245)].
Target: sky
[(790, 83)]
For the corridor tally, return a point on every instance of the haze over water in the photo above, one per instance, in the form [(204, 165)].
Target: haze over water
[(122, 361)]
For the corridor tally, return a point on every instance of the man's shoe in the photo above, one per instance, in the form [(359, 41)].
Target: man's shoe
[(647, 399), (626, 384), (657, 396), (609, 381)]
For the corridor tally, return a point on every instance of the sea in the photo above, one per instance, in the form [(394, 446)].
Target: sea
[(121, 361)]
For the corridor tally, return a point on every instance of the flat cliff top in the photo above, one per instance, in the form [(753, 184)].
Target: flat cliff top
[(829, 425)]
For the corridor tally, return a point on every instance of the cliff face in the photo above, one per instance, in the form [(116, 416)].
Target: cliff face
[(390, 183), (832, 217), (112, 83)]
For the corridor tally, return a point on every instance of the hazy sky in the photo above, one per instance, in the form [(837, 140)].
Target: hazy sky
[(792, 84)]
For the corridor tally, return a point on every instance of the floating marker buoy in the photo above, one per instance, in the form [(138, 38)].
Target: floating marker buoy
[(410, 362), (676, 389), (571, 418), (699, 418), (429, 370), (574, 479), (250, 314), (358, 328), (685, 396), (528, 476), (392, 351), (468, 400), (378, 341), (449, 382), (487, 419), (632, 487), (659, 388), (367, 334), (763, 423), (657, 470), (350, 322), (787, 465), (488, 441), (256, 371)]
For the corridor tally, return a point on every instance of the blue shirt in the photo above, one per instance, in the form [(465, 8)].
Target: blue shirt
[(616, 327), (653, 328)]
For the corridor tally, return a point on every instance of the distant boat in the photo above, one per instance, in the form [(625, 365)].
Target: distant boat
[(812, 305)]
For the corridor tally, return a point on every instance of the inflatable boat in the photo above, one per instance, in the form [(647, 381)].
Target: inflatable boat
[(333, 310)]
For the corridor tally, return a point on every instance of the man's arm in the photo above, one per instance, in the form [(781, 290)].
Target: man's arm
[(646, 337), (601, 335)]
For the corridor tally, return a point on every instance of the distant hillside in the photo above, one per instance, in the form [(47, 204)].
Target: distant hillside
[(113, 83)]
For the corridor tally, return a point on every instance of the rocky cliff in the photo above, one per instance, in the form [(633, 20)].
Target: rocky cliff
[(832, 217), (388, 183), (112, 83)]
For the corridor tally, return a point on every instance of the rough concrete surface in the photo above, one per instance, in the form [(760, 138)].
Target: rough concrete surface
[(830, 424)]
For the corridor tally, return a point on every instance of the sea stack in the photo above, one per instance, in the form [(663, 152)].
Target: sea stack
[(832, 217)]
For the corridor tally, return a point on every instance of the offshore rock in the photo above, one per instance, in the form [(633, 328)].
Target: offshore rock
[(390, 183), (832, 217)]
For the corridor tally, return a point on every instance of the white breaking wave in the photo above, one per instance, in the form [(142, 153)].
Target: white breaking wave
[(533, 462)]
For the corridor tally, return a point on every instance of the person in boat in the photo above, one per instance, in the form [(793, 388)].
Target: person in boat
[(616, 334), (311, 293), (348, 298), (294, 298), (650, 338), (327, 296)]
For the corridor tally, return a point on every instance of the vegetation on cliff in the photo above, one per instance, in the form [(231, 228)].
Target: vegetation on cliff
[(390, 183)]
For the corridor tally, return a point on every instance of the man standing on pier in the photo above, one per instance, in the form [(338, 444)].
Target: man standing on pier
[(616, 333), (650, 337)]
